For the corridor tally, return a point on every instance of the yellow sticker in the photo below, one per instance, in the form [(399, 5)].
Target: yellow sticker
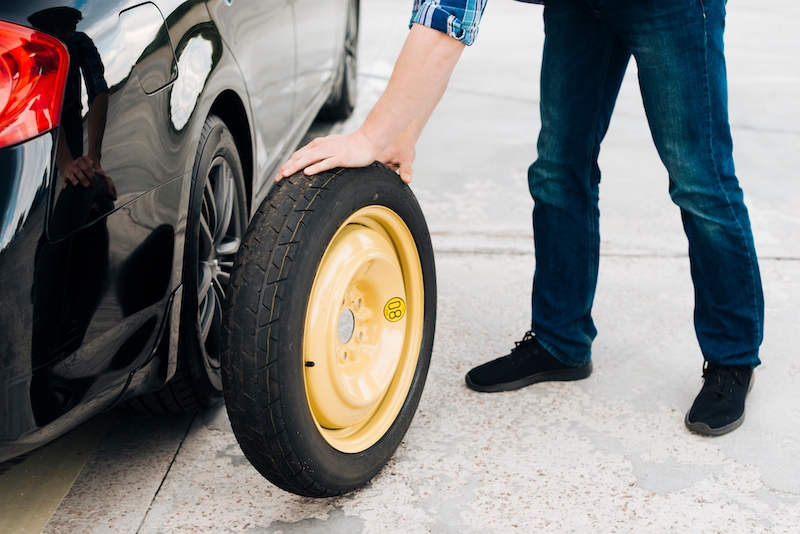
[(394, 310)]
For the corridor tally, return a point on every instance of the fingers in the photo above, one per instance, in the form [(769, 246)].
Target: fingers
[(398, 162), (405, 172), (98, 170), (325, 153), (304, 158), (403, 169), (75, 177), (291, 167), (80, 171), (295, 163), (322, 166), (86, 171), (312, 165)]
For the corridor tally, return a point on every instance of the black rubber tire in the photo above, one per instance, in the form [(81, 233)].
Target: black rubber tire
[(342, 101), (197, 383), (262, 362)]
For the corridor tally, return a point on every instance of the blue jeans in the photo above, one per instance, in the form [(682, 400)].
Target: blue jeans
[(678, 48)]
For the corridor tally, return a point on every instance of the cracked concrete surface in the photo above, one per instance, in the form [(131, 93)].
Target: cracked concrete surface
[(607, 454)]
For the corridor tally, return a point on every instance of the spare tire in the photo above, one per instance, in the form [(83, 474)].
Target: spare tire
[(329, 327)]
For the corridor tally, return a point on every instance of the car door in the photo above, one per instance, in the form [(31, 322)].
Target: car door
[(320, 41)]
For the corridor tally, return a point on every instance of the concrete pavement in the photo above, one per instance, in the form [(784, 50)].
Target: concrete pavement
[(607, 454)]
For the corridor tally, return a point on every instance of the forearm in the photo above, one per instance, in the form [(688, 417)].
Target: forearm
[(417, 84), (419, 79), (63, 155), (96, 119), (414, 130)]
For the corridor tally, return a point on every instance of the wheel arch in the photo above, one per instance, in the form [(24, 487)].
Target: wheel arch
[(230, 108)]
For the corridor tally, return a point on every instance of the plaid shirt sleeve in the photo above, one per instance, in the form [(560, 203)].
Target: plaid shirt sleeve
[(91, 65), (457, 18)]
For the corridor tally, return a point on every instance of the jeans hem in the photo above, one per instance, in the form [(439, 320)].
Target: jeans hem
[(749, 360), (560, 356)]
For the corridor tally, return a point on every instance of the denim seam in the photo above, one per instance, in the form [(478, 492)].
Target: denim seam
[(758, 333)]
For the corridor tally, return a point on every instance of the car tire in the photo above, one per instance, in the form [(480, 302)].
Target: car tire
[(217, 219), (330, 324), (342, 101)]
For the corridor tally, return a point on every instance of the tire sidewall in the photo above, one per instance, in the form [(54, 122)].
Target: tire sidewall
[(216, 141)]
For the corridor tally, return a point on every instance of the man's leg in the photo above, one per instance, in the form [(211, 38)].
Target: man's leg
[(679, 52), (582, 69), (683, 82)]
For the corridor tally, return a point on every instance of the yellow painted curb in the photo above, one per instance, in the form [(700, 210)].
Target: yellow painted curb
[(32, 487)]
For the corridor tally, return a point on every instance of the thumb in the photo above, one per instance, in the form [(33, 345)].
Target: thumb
[(405, 172)]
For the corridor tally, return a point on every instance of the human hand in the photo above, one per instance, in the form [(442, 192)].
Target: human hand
[(325, 153), (84, 170), (399, 156), (79, 171)]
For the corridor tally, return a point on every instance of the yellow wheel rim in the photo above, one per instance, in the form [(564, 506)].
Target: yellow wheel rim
[(363, 329)]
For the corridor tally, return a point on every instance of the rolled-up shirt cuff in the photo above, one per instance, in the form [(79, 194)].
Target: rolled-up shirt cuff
[(457, 18)]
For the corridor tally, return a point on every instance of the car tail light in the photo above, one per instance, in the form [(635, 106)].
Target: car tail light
[(33, 73)]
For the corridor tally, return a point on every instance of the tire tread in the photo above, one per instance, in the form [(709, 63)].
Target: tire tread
[(267, 443)]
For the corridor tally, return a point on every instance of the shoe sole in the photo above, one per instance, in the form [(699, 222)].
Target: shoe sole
[(705, 430), (562, 375)]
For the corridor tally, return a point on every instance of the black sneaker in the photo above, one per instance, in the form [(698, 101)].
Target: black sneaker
[(527, 364), (719, 407)]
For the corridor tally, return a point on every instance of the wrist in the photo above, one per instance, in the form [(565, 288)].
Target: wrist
[(367, 140)]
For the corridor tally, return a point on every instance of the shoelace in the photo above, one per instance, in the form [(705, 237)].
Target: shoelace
[(527, 339), (718, 379)]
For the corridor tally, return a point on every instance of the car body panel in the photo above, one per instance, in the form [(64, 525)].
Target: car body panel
[(261, 36), (25, 202), (90, 278), (318, 29)]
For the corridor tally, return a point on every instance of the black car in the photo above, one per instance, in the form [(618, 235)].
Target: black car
[(147, 260)]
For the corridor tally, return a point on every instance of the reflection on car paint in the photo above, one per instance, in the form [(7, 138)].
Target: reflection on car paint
[(29, 161), (86, 70), (69, 274), (195, 63)]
